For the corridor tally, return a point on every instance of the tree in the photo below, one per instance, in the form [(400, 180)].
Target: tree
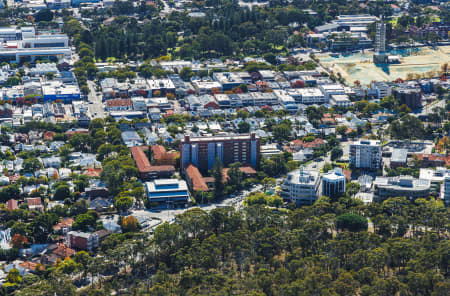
[(13, 276), (243, 127), (281, 132), (336, 153), (31, 165), (42, 227), (186, 73), (351, 222), (123, 203), (218, 179), (62, 192), (129, 224), (341, 130), (84, 221), (18, 241), (45, 15), (352, 188), (268, 183)]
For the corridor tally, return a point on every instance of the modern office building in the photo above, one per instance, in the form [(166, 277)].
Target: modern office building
[(167, 191), (308, 95), (229, 80), (333, 183), (301, 187), (366, 154), (407, 186), (203, 151), (24, 44)]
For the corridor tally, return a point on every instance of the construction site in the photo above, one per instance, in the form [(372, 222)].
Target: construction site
[(413, 63)]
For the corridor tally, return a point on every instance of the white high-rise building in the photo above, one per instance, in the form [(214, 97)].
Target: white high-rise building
[(301, 187), (366, 154)]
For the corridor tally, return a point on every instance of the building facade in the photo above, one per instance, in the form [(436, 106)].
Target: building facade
[(167, 191), (301, 187), (203, 151), (82, 240), (333, 183), (445, 191), (366, 154)]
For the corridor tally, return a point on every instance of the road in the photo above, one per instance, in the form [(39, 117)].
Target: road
[(166, 9), (96, 109), (429, 108), (169, 214)]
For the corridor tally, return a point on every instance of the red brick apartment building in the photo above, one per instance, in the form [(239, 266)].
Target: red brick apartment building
[(203, 151)]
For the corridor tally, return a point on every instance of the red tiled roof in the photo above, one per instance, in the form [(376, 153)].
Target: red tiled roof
[(66, 222), (63, 251), (34, 201), (31, 265), (91, 172), (158, 151), (161, 156), (197, 181), (316, 143), (48, 135), (143, 163), (434, 157), (141, 159), (246, 170)]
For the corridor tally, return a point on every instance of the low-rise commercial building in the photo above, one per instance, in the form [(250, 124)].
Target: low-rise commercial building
[(308, 96), (407, 186), (167, 191)]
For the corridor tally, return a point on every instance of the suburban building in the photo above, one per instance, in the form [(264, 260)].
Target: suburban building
[(399, 158), (333, 183), (203, 151), (340, 101), (412, 97), (308, 95), (301, 187), (167, 191), (82, 240), (194, 179), (118, 105), (365, 154), (412, 188), (331, 89), (206, 87), (228, 80)]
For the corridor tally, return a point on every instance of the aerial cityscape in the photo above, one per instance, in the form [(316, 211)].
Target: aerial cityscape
[(251, 147)]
